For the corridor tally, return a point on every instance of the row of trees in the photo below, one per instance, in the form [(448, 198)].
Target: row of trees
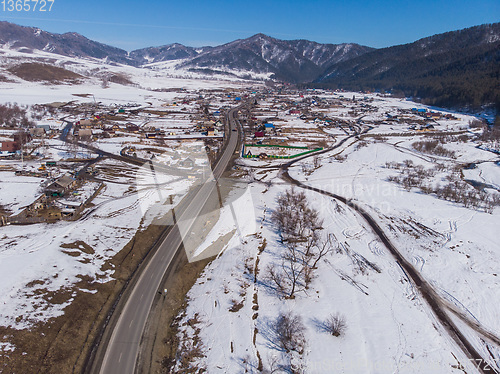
[(453, 189), (12, 115), (300, 229), (433, 147)]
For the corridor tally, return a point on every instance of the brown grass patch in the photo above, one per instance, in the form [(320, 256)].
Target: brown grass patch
[(32, 71), (80, 245), (236, 306), (120, 79)]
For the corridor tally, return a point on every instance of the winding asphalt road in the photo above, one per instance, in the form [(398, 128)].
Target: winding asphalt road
[(123, 347)]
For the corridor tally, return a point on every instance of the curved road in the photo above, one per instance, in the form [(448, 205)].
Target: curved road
[(123, 347)]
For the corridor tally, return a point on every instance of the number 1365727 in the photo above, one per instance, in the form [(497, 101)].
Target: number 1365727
[(26, 5)]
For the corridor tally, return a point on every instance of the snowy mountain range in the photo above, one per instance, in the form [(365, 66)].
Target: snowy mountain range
[(458, 68), (288, 60), (293, 61)]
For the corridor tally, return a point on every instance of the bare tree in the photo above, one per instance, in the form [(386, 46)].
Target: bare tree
[(274, 365), (336, 324), (293, 216), (323, 248), (289, 332), (298, 261), (300, 229), (317, 162), (293, 273), (295, 269)]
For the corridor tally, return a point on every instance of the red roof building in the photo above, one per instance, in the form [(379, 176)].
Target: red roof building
[(10, 146)]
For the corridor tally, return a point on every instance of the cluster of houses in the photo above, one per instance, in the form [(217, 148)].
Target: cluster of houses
[(89, 127), (59, 201), (429, 114), (86, 128), (10, 146), (264, 129)]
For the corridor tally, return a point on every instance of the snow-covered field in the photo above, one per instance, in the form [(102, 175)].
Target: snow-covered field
[(389, 328), (17, 191), (143, 81), (459, 256), (32, 261)]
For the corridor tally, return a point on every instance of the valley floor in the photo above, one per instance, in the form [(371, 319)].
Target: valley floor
[(229, 324), (433, 192)]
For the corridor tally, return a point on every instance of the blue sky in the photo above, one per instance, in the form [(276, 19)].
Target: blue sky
[(135, 24)]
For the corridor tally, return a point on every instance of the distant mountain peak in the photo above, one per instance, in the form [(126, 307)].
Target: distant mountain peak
[(67, 44)]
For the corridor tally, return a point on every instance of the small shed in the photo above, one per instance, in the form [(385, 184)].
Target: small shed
[(45, 127), (85, 123), (37, 132), (187, 163)]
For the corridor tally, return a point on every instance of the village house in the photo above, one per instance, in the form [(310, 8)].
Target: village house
[(46, 127), (132, 128), (187, 163), (10, 146), (85, 124), (60, 186), (85, 133), (269, 127), (109, 130)]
